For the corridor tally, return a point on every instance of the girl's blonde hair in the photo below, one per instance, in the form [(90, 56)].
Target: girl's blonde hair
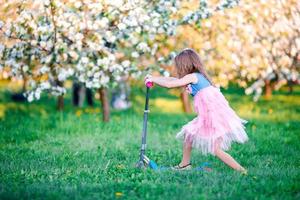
[(187, 62)]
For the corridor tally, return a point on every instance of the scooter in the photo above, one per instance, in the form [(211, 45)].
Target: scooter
[(144, 161)]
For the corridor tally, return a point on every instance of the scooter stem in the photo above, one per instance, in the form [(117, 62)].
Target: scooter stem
[(144, 133)]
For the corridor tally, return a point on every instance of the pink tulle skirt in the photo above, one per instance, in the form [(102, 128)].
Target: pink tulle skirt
[(216, 123)]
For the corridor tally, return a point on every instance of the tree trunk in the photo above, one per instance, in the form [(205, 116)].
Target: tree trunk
[(268, 89), (104, 103), (184, 96), (60, 99), (60, 102), (290, 85), (89, 97), (24, 84), (75, 96), (81, 94)]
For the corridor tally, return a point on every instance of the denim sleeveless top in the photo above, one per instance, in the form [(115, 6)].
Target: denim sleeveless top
[(201, 84)]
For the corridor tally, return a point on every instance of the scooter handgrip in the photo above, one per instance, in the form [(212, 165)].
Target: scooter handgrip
[(149, 84)]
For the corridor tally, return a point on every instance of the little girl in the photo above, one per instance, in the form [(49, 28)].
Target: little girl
[(217, 125)]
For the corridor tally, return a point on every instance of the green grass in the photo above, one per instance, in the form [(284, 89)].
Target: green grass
[(73, 155)]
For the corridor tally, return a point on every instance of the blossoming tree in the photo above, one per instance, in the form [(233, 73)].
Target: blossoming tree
[(256, 48), (88, 41)]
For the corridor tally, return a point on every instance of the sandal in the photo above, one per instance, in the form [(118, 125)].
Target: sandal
[(244, 172), (186, 167)]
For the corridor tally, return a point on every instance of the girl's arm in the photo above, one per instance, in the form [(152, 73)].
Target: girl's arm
[(170, 82)]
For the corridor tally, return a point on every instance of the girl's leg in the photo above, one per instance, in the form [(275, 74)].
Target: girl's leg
[(186, 155), (227, 159)]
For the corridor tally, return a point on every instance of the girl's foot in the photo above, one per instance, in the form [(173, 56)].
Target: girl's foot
[(185, 167), (244, 172)]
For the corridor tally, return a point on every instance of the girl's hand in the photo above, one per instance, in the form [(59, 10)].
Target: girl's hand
[(188, 89), (148, 78)]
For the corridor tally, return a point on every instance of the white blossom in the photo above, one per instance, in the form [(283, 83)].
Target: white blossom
[(44, 69), (143, 47), (126, 63), (74, 55), (95, 42), (84, 60), (135, 54)]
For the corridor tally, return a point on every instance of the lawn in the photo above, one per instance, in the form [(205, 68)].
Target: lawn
[(45, 154)]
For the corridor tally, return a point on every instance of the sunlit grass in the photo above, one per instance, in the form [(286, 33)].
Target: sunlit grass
[(45, 154)]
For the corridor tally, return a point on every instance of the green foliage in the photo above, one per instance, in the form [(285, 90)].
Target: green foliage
[(50, 155)]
